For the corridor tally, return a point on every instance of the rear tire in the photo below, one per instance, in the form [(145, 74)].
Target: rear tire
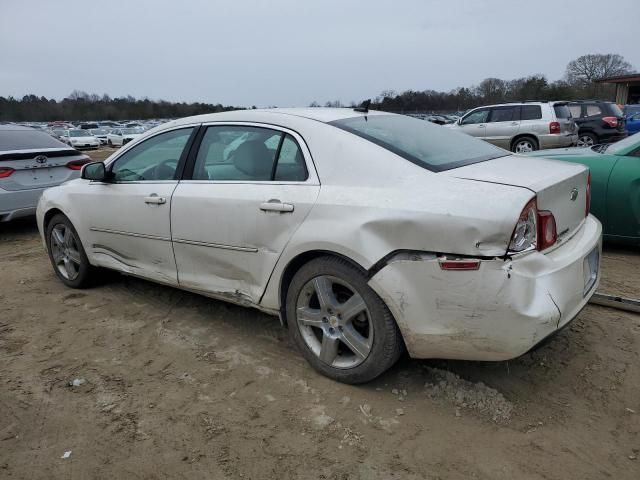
[(346, 332), (524, 145), (67, 255), (587, 140)]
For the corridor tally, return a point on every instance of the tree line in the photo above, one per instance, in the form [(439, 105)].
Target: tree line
[(83, 106), (579, 82)]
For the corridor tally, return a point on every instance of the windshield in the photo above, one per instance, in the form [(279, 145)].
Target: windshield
[(620, 147), (99, 131), (79, 133), (428, 145), (129, 131)]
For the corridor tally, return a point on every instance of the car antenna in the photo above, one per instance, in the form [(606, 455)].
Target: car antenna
[(364, 107)]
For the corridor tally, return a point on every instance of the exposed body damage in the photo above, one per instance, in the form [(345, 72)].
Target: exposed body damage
[(495, 313)]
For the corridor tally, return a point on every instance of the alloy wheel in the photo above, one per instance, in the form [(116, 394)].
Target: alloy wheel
[(65, 252), (524, 146), (334, 321), (585, 141)]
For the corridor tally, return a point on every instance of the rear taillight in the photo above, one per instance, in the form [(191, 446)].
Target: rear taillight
[(536, 229), (554, 127), (76, 164), (611, 121), (547, 234), (6, 172), (588, 196)]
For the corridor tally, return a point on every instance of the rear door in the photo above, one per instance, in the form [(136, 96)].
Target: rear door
[(250, 188), (503, 125)]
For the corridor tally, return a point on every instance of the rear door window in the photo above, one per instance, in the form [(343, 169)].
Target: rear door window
[(593, 110), (503, 114), (530, 112), (576, 110)]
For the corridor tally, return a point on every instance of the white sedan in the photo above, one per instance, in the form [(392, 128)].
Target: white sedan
[(368, 233), (121, 136), (79, 139)]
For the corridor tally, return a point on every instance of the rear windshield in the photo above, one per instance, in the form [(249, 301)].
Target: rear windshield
[(430, 146), (27, 139), (562, 111)]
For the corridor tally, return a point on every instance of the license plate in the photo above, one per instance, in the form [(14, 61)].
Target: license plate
[(590, 266)]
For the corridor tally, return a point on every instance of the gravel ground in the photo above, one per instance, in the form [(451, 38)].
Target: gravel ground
[(137, 380)]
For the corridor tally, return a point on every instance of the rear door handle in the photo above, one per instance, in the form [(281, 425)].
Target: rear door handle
[(276, 206), (154, 199)]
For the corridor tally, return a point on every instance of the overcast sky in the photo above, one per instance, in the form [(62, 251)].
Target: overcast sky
[(292, 52)]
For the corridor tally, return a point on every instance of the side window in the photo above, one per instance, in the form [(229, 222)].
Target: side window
[(502, 114), (239, 153), (291, 166), (154, 159), (477, 116), (530, 112), (593, 110), (576, 110)]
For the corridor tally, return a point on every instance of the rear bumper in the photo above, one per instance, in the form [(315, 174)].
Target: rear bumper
[(19, 203), (497, 312), (613, 136), (557, 141)]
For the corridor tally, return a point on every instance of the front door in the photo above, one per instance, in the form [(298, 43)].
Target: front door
[(129, 217), (475, 123), (250, 189)]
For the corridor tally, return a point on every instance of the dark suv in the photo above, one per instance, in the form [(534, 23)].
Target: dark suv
[(598, 122)]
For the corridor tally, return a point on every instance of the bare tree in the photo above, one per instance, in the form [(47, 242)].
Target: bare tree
[(588, 68)]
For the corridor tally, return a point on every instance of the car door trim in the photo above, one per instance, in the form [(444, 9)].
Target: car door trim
[(130, 234), (215, 245)]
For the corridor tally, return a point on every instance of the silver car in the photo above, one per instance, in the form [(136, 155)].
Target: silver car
[(522, 127), (30, 161)]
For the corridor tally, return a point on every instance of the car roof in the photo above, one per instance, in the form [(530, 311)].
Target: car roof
[(277, 115)]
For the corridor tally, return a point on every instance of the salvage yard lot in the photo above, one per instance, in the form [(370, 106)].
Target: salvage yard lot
[(181, 386)]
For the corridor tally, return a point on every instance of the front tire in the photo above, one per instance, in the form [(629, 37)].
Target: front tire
[(340, 325), (67, 254), (524, 145)]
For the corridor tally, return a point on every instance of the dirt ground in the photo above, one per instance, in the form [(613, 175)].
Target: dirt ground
[(181, 386)]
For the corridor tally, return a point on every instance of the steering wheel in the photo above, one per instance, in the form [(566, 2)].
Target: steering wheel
[(164, 170)]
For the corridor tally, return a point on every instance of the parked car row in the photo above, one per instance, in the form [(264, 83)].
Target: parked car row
[(528, 126)]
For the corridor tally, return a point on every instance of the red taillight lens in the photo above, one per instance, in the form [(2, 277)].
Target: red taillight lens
[(6, 172), (588, 195), (459, 264), (611, 121), (76, 164), (554, 127), (547, 234)]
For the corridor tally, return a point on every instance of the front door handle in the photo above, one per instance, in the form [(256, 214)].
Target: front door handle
[(154, 199), (274, 205)]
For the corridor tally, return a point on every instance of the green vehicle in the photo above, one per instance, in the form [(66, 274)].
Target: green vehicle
[(615, 184)]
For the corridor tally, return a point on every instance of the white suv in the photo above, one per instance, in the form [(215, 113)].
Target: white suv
[(522, 127)]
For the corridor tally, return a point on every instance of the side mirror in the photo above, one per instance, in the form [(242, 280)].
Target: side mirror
[(94, 171)]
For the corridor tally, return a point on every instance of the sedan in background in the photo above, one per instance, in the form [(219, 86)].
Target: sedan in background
[(100, 134), (367, 232), (615, 185), (121, 136), (77, 138), (30, 161)]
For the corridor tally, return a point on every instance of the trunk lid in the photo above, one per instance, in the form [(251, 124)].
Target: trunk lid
[(38, 168), (560, 187)]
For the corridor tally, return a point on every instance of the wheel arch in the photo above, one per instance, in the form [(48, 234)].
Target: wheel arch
[(52, 212), (296, 263), (524, 135)]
